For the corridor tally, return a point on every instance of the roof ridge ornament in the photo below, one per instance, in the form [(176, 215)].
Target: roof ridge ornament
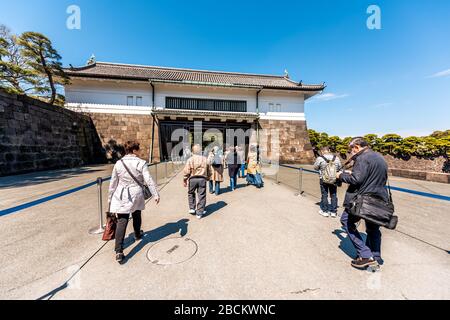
[(286, 73), (92, 60)]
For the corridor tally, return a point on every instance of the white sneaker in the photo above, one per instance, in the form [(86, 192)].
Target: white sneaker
[(333, 214), (199, 216), (324, 213), (192, 211)]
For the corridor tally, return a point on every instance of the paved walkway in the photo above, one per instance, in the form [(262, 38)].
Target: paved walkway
[(254, 244)]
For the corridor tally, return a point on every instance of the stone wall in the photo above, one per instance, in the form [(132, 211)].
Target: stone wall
[(429, 165), (420, 175), (294, 144), (37, 136), (420, 169), (115, 129)]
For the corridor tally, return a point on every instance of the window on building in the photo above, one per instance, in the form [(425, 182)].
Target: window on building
[(139, 101), (130, 101), (206, 104), (274, 107)]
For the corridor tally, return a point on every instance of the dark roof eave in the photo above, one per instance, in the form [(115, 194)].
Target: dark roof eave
[(70, 73)]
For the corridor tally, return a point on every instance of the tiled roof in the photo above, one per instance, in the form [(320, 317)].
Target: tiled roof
[(187, 76), (205, 113)]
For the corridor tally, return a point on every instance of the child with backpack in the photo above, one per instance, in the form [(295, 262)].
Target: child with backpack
[(328, 165)]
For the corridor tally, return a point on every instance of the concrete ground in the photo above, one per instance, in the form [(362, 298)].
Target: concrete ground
[(253, 244)]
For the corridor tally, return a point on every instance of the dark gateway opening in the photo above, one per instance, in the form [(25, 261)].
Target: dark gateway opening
[(169, 141)]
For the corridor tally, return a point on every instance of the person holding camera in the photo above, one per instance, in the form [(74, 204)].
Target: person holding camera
[(368, 177)]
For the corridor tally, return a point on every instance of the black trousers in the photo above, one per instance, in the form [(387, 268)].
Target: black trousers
[(197, 185), (121, 227)]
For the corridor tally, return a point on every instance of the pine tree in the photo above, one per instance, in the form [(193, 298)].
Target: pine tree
[(45, 62), (15, 75)]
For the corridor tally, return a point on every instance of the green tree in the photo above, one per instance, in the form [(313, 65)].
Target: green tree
[(313, 137), (15, 75), (334, 142), (45, 62), (441, 134), (390, 144), (374, 141), (411, 146), (435, 145)]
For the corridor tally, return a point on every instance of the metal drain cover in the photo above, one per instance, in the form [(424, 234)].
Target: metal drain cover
[(172, 251)]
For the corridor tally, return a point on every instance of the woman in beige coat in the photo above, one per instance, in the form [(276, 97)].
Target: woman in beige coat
[(126, 197), (216, 162)]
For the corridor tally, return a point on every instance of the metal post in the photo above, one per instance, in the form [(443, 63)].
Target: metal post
[(301, 181), (100, 229), (276, 175), (165, 167), (300, 177)]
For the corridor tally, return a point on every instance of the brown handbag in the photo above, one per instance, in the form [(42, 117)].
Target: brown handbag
[(110, 229)]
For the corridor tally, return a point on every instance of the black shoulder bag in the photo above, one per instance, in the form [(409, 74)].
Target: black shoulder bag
[(375, 209), (145, 189)]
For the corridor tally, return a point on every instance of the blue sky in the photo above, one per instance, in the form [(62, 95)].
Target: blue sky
[(396, 79)]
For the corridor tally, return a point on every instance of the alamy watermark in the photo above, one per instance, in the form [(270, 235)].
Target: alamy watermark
[(73, 21), (374, 20)]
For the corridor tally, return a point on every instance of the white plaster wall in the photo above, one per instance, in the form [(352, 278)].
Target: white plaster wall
[(289, 101), (106, 92), (115, 93)]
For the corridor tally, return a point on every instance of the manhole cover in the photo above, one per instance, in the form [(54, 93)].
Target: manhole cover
[(172, 251)]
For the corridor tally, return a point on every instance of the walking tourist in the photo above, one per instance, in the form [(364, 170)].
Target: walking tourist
[(368, 176), (126, 194), (217, 163), (196, 174), (233, 163), (210, 157), (253, 168), (328, 164), (241, 154)]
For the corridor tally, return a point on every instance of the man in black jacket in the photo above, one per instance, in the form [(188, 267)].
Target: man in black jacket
[(368, 176)]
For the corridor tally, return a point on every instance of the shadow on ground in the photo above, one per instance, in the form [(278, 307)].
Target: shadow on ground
[(43, 177), (214, 207), (346, 245), (228, 189), (155, 235)]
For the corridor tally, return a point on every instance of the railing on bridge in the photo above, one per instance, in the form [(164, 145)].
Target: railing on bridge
[(302, 178), (305, 181)]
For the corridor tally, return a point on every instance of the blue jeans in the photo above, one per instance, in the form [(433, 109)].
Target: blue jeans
[(242, 171), (326, 189), (372, 246), (233, 182), (255, 179), (216, 187)]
